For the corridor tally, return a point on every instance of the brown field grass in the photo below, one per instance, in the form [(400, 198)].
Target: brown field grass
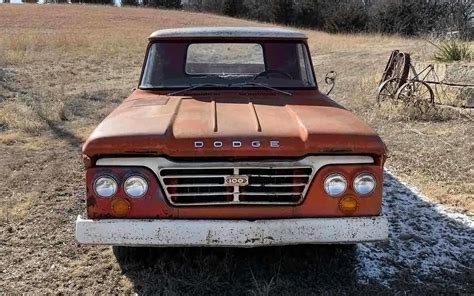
[(63, 68)]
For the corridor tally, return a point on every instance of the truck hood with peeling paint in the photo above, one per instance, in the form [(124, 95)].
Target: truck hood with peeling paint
[(152, 123)]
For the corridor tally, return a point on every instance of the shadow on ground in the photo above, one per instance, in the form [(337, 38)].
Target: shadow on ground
[(217, 271), (60, 132), (429, 251)]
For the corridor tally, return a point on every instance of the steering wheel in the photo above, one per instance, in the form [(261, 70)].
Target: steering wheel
[(267, 73)]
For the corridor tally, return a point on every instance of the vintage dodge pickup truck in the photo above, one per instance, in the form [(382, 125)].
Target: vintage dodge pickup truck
[(227, 141)]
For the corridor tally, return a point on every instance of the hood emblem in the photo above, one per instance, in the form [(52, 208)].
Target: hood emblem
[(237, 180), (239, 144)]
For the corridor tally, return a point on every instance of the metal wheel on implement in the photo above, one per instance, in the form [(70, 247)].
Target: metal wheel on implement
[(395, 75), (416, 93), (387, 90)]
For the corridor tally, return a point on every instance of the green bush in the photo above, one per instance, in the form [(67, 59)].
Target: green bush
[(454, 50)]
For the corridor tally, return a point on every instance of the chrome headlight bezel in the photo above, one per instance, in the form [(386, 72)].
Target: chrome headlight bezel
[(136, 178), (359, 178), (332, 177), (105, 178)]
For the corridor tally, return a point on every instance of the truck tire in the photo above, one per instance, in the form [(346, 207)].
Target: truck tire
[(141, 255), (127, 254)]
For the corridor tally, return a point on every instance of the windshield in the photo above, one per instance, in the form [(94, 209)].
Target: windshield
[(250, 64)]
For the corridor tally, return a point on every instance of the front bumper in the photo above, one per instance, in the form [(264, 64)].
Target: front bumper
[(230, 233)]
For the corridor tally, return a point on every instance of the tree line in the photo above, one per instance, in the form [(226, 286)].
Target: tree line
[(405, 17)]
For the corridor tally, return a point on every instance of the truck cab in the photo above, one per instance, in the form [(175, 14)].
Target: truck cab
[(228, 141)]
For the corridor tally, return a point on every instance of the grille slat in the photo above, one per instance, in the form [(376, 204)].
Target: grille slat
[(270, 193), (208, 194), (198, 185), (279, 183)]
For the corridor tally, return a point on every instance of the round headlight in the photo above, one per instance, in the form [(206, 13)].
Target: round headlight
[(105, 186), (135, 186), (335, 185), (364, 184)]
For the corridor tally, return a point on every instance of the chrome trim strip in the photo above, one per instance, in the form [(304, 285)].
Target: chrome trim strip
[(282, 176), (277, 185), (192, 176)]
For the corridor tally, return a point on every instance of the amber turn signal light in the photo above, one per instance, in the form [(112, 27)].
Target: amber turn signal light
[(120, 207), (348, 204)]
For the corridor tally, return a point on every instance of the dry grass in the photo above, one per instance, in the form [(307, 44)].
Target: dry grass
[(397, 111), (73, 64)]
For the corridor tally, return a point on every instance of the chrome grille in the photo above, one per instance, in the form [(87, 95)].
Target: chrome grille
[(206, 185), (202, 183)]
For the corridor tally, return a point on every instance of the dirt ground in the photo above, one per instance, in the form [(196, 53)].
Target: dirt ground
[(64, 68)]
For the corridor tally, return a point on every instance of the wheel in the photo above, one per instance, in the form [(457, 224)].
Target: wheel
[(401, 68), (387, 73), (130, 254), (418, 94), (123, 254), (387, 90)]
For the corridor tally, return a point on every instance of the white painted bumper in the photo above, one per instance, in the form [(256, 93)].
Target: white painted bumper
[(230, 233)]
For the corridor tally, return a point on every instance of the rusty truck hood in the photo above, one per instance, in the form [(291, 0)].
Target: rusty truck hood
[(213, 123)]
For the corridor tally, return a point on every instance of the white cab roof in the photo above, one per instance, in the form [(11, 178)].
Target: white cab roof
[(228, 32)]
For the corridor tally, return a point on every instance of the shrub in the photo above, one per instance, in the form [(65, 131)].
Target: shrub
[(454, 50), (105, 2), (458, 18), (129, 2), (233, 7), (345, 16), (309, 14), (259, 10), (216, 6), (283, 11), (395, 16), (163, 3)]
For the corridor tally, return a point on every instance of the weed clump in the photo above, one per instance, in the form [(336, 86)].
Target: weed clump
[(14, 115), (454, 51), (397, 111)]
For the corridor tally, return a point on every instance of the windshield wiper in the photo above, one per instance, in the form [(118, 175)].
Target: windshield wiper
[(242, 84), (196, 87), (262, 85)]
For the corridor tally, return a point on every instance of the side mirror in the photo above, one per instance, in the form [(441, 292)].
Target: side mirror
[(330, 80)]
